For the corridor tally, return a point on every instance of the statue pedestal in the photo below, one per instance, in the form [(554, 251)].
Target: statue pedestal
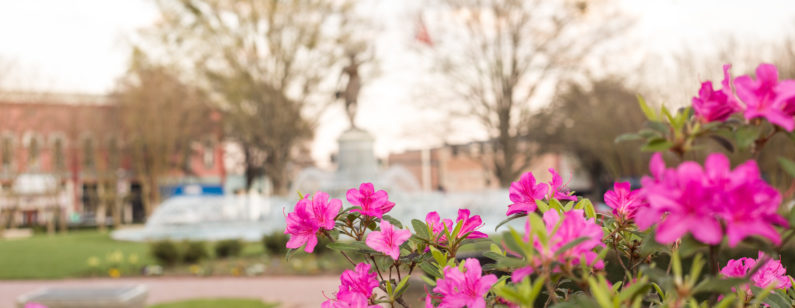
[(357, 162)]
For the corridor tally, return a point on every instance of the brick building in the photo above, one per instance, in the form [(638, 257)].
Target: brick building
[(66, 151), (467, 167)]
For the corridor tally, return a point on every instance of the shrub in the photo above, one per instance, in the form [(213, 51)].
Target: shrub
[(194, 252), (165, 252), (228, 248), (275, 243)]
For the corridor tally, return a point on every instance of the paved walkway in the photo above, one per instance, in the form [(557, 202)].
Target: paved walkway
[(290, 291)]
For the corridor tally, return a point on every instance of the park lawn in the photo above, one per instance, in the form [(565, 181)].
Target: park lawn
[(66, 255), (216, 303)]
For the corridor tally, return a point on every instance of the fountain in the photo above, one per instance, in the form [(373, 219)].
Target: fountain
[(250, 217)]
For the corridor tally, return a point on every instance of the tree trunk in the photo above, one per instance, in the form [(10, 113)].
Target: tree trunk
[(507, 145)]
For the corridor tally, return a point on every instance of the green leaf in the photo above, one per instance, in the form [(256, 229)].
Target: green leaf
[(542, 206), (555, 204), (792, 216), (349, 246), (627, 137), (745, 136), (787, 165), (657, 145), (393, 221), (590, 212), (637, 288), (726, 301), (718, 285), (510, 218), (420, 229), (725, 143), (401, 286), (430, 270), (650, 114), (438, 256), (775, 300)]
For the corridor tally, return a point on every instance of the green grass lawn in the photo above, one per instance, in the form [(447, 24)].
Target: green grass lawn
[(65, 255), (216, 303)]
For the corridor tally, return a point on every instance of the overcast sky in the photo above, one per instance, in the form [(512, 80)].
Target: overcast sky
[(80, 46)]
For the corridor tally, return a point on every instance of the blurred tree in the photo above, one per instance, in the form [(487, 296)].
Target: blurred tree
[(585, 120), (161, 116), (500, 55), (265, 63)]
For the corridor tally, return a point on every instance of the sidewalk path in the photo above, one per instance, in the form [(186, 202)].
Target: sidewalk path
[(290, 291)]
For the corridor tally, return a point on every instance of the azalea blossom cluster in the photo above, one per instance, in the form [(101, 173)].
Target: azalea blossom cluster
[(702, 200), (771, 273), (766, 97), (560, 232), (462, 289), (525, 192), (356, 288)]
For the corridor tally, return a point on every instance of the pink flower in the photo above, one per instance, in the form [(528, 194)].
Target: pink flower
[(356, 287), (388, 240), (466, 289), (373, 203), (574, 225), (558, 188), (470, 225), (34, 305), (325, 211), (437, 225), (692, 199), (360, 280), (765, 97), (302, 227), (770, 273), (713, 105), (624, 201), (309, 216), (524, 193), (348, 300)]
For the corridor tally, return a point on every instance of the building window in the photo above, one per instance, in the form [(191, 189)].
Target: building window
[(59, 159), (88, 153), (34, 151), (8, 151)]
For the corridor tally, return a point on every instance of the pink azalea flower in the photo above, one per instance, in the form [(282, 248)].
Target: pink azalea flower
[(302, 226), (524, 193), (388, 240), (325, 211), (765, 97), (770, 273), (466, 289), (692, 199), (574, 225), (356, 287), (558, 188), (348, 300), (373, 203), (360, 280), (623, 200), (711, 105), (309, 216), (470, 224), (437, 225)]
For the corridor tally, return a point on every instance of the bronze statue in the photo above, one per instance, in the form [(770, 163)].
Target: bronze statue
[(351, 92)]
